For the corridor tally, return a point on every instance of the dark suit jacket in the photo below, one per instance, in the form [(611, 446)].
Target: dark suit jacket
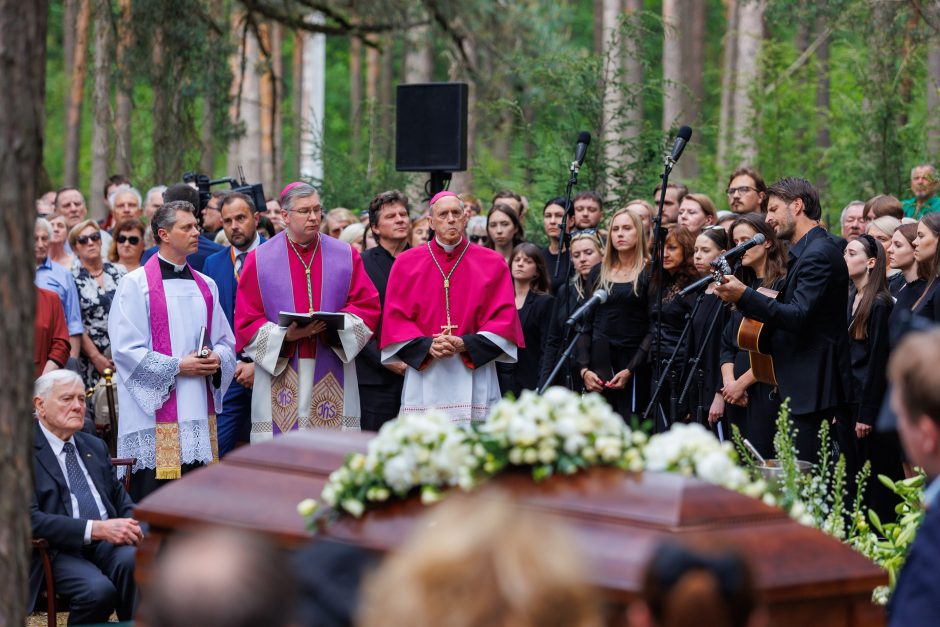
[(369, 369), (916, 598), (809, 330), (51, 510), (536, 318), (219, 267), (197, 260)]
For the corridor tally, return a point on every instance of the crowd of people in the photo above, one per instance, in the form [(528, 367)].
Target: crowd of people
[(229, 323)]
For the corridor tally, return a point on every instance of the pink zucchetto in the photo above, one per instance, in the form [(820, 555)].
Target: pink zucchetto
[(289, 187), (443, 194)]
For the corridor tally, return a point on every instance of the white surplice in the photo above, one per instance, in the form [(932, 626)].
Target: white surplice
[(145, 377), (465, 395), (265, 350)]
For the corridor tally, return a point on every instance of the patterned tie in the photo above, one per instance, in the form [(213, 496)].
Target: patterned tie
[(87, 508), (239, 262)]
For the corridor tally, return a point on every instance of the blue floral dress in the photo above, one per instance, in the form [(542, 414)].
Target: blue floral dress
[(95, 304)]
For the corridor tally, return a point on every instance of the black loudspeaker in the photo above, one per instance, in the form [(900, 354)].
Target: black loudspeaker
[(431, 127)]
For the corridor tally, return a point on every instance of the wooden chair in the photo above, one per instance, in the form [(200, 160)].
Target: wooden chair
[(42, 545)]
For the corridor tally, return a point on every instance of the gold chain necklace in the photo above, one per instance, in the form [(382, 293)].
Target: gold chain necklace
[(307, 267), (447, 328)]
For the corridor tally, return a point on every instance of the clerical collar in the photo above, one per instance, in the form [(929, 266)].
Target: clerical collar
[(170, 270), (304, 247), (447, 247)]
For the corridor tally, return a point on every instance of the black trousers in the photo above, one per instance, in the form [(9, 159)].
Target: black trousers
[(378, 404), (97, 581)]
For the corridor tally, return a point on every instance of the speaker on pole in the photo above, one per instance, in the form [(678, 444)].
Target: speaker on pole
[(431, 127)]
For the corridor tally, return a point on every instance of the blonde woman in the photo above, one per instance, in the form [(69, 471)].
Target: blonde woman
[(621, 323)]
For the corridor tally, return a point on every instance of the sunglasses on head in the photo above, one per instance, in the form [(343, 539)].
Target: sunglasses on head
[(84, 239), (133, 240)]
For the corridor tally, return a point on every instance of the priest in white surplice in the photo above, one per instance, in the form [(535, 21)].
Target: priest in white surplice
[(303, 378), (450, 314), (168, 395)]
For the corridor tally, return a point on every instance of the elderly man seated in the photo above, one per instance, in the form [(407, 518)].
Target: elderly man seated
[(80, 508)]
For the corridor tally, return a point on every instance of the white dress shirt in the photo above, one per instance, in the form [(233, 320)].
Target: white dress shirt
[(57, 449)]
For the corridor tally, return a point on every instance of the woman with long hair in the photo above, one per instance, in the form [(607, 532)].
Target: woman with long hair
[(585, 255), (668, 321), (534, 304), (503, 230), (902, 259), (619, 325), (927, 254), (869, 308), (96, 280), (709, 320), (557, 260), (749, 404), (127, 245)]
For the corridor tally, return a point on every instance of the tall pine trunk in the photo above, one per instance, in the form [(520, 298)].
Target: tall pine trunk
[(23, 28), (692, 32), (355, 95), (76, 92), (750, 37), (728, 68), (124, 104), (101, 131), (611, 119), (933, 98), (823, 140)]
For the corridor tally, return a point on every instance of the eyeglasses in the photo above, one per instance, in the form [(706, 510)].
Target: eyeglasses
[(84, 239), (133, 240), (478, 239), (732, 191), (305, 213)]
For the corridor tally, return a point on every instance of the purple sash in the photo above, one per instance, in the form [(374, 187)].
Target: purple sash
[(167, 435), (277, 295)]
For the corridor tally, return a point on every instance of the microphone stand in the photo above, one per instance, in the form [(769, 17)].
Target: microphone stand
[(579, 330), (667, 365), (697, 373), (564, 237), (658, 272)]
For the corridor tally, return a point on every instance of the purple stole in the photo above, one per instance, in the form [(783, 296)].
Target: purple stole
[(167, 431), (277, 294)]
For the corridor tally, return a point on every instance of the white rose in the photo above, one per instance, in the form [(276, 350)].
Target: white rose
[(307, 507), (530, 456), (354, 507)]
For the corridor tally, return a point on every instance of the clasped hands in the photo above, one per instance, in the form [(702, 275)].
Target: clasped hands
[(194, 366), (445, 345), (118, 531), (594, 383)]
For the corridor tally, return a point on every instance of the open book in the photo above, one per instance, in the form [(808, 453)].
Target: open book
[(335, 322)]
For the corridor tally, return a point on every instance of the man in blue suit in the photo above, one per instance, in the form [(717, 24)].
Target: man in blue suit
[(182, 191), (915, 398), (240, 221), (80, 508)]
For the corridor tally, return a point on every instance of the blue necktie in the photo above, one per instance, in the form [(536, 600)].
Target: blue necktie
[(87, 508)]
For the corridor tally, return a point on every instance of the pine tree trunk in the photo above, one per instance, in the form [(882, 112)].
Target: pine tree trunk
[(728, 70), (210, 107), (672, 63), (355, 94), (823, 140), (124, 104), (693, 71), (277, 67), (267, 108), (313, 102), (612, 121), (386, 97), (750, 36), (101, 100), (23, 28), (371, 107), (462, 182), (297, 97), (419, 55), (633, 76), (933, 98), (76, 89), (251, 112)]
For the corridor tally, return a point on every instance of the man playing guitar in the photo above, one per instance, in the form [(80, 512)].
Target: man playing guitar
[(807, 321)]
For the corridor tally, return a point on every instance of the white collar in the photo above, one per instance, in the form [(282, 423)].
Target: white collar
[(176, 267), (447, 247), (55, 442)]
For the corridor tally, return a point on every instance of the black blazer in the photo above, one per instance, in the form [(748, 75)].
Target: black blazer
[(809, 330), (51, 510), (369, 369), (536, 317)]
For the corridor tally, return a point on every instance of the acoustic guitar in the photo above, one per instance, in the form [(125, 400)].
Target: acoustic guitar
[(753, 338)]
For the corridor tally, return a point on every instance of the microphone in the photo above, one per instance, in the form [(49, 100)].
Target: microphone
[(685, 134), (738, 250), (600, 296), (584, 140)]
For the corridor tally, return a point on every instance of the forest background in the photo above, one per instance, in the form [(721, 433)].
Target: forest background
[(843, 92)]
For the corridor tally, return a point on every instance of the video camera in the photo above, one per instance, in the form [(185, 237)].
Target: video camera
[(253, 190)]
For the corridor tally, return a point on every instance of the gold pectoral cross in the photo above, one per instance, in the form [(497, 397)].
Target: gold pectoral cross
[(447, 328)]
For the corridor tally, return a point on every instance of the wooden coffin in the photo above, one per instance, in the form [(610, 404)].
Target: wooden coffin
[(619, 518)]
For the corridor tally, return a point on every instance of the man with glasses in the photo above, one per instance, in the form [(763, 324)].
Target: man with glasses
[(380, 385), (747, 192), (305, 375), (53, 277)]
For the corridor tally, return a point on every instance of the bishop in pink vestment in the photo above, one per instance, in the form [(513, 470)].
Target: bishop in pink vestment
[(453, 288)]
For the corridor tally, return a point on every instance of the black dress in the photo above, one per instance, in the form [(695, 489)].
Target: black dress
[(618, 328), (536, 317), (903, 306), (565, 303), (895, 283), (929, 305), (757, 421), (559, 268), (881, 448), (711, 313)]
